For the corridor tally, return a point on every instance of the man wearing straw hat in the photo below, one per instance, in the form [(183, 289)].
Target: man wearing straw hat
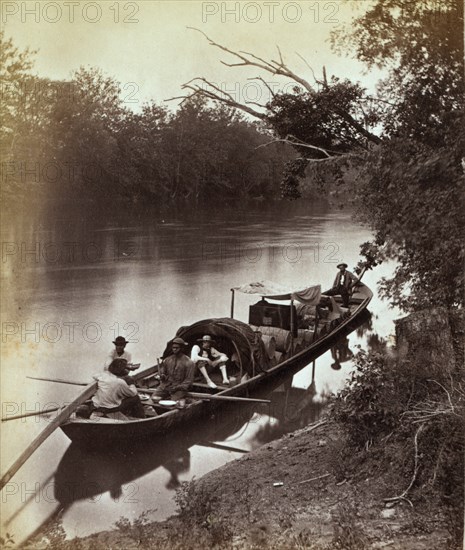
[(342, 284), (205, 355)]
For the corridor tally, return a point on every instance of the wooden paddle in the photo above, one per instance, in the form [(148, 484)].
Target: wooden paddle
[(59, 419), (195, 395), (59, 380), (210, 397), (38, 413)]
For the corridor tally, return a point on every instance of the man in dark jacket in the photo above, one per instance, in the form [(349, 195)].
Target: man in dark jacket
[(176, 374), (342, 284)]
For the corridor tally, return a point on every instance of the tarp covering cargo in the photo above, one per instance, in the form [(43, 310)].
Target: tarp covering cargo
[(231, 337)]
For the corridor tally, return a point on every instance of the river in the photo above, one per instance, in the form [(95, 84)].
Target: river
[(74, 276)]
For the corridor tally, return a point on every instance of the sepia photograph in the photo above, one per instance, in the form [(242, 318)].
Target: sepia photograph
[(232, 274)]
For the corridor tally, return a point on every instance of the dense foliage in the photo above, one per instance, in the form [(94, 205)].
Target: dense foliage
[(410, 189), (413, 197), (80, 137), (420, 45)]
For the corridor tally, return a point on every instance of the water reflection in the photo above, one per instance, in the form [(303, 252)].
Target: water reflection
[(341, 353), (159, 268)]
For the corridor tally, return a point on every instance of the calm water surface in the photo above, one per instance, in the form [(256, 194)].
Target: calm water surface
[(76, 276)]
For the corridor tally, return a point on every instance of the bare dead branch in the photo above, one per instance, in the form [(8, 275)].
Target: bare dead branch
[(312, 71), (214, 95), (273, 95), (448, 394), (290, 142), (415, 470)]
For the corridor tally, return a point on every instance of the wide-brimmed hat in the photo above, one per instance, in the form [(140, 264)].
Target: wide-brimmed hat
[(342, 265), (206, 338), (120, 341), (179, 341)]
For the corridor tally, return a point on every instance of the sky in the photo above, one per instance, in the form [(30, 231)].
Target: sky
[(148, 48)]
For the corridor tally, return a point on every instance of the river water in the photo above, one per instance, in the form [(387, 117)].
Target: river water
[(74, 276)]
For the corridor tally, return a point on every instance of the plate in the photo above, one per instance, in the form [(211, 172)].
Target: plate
[(144, 397), (167, 402)]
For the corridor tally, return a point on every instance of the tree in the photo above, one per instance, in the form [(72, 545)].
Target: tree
[(420, 45), (315, 119), (83, 130), (410, 190), (412, 197)]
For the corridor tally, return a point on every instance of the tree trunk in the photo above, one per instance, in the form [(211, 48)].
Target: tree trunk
[(425, 339)]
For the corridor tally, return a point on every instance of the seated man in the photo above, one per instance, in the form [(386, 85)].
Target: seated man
[(342, 284), (114, 393), (205, 355), (120, 352), (176, 374)]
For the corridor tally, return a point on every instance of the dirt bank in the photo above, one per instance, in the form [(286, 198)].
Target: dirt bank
[(297, 492)]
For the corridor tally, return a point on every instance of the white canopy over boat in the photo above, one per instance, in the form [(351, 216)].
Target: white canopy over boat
[(274, 291)]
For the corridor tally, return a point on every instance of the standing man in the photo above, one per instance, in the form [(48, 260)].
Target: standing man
[(205, 355), (176, 374), (342, 284), (120, 353)]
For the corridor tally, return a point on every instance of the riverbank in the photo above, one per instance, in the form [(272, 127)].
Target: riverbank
[(301, 491)]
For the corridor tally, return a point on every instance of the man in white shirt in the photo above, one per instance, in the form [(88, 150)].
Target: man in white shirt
[(205, 355), (120, 353), (114, 393)]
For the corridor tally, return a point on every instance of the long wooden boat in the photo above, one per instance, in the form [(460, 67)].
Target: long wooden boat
[(307, 331)]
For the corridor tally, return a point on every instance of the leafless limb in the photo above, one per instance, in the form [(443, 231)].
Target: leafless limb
[(448, 394), (312, 71), (300, 144), (273, 95), (252, 60), (415, 470)]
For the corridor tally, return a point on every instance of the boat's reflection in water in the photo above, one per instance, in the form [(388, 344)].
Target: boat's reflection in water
[(84, 474)]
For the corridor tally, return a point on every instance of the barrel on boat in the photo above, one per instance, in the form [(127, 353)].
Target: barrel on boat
[(306, 335), (281, 336), (270, 345)]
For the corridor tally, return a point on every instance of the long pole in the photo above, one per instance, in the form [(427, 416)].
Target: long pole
[(59, 380), (209, 397), (37, 413), (232, 303), (292, 327), (59, 419)]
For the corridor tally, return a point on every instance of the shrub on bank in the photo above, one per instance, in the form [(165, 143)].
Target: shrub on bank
[(407, 408)]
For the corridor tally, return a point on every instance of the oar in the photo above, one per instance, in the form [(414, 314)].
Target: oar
[(60, 380), (226, 398), (190, 394), (59, 419), (37, 413), (209, 397)]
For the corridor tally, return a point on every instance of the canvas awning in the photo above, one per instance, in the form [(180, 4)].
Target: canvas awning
[(310, 295)]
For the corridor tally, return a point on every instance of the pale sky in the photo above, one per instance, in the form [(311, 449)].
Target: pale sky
[(147, 47)]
